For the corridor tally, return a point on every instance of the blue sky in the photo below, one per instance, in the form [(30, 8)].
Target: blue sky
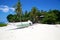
[(6, 6)]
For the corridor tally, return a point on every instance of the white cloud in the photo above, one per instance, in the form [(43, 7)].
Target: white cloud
[(6, 8), (13, 9)]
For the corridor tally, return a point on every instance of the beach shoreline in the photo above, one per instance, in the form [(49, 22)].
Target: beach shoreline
[(34, 32)]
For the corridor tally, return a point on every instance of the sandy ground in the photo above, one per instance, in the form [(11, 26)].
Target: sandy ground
[(34, 32)]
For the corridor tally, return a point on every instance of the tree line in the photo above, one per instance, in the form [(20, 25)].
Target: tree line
[(35, 15)]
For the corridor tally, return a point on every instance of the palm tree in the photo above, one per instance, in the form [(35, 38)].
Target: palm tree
[(33, 14), (18, 10)]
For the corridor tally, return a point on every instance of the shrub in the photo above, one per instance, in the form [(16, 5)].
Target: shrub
[(50, 18), (2, 24)]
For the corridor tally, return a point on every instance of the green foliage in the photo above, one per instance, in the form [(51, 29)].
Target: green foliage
[(18, 10), (49, 18), (34, 14), (10, 18), (1, 25), (57, 12), (13, 18), (25, 16)]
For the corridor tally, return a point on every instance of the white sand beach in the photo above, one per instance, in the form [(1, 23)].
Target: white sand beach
[(34, 32)]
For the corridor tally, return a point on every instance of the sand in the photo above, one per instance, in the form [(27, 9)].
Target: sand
[(34, 32)]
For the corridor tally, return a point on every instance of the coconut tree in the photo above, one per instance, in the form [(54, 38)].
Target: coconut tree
[(18, 10), (33, 13)]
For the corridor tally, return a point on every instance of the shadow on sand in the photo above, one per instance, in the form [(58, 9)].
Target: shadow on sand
[(19, 28)]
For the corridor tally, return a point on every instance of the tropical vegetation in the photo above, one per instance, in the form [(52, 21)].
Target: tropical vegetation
[(35, 15), (2, 24)]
